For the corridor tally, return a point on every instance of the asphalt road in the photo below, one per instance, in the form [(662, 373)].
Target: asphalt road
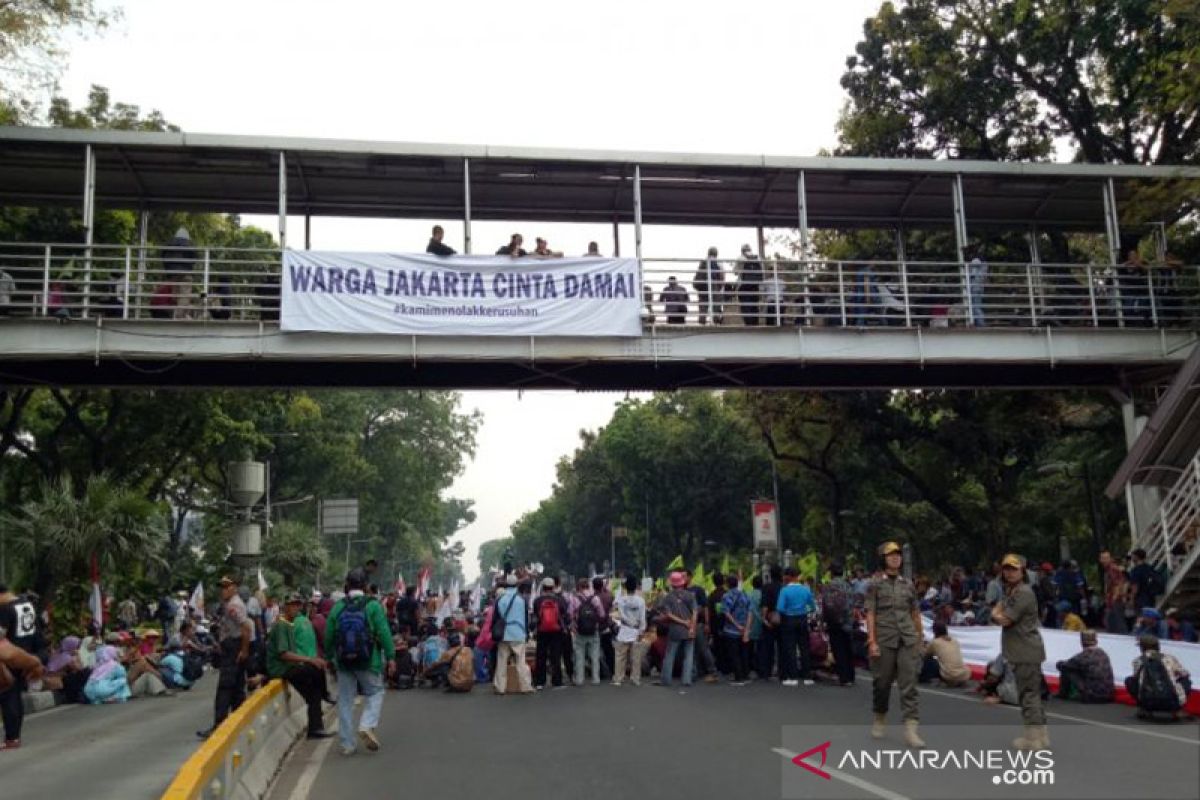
[(128, 750), (729, 742)]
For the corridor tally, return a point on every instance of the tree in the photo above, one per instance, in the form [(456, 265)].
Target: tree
[(61, 532), (30, 52), (1118, 79), (491, 554), (294, 550)]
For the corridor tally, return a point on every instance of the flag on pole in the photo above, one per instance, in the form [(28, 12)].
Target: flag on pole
[(422, 582), (196, 601), (399, 587), (262, 582), (96, 605), (677, 563)]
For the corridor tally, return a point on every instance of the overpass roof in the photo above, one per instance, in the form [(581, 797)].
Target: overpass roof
[(332, 177)]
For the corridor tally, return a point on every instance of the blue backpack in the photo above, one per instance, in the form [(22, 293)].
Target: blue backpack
[(353, 641)]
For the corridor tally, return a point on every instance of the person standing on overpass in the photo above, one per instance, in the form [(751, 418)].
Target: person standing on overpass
[(436, 246), (1022, 647), (894, 643)]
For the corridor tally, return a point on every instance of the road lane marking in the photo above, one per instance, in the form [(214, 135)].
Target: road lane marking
[(866, 786), (1056, 715)]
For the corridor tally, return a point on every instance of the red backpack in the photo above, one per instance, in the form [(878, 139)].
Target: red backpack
[(548, 616)]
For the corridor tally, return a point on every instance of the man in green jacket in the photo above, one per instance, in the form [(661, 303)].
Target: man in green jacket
[(359, 642)]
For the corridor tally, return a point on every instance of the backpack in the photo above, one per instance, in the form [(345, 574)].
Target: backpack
[(1154, 583), (835, 604), (548, 616), (193, 666), (499, 619), (352, 641), (461, 676), (1156, 689), (587, 620)]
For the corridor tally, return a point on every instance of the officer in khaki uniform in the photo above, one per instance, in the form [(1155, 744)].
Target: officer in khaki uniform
[(1022, 647), (894, 639)]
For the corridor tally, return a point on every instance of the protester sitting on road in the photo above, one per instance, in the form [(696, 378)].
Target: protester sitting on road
[(1087, 675), (107, 683), (1158, 683), (1150, 623), (141, 672), (433, 645), (454, 670), (172, 666), (1178, 628), (64, 672), (1068, 620), (436, 246), (298, 664), (946, 653)]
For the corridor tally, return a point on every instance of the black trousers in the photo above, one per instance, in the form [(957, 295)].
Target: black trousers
[(737, 656), (549, 652), (748, 300), (310, 683), (12, 709), (793, 633), (607, 655), (768, 643), (843, 653), (231, 683), (568, 652)]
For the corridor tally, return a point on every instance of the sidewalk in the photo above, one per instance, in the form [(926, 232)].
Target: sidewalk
[(129, 750)]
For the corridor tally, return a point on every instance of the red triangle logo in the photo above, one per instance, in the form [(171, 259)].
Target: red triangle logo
[(823, 749)]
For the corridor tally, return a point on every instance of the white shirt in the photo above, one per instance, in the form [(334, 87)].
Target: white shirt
[(631, 609)]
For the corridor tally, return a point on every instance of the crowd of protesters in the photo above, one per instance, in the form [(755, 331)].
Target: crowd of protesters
[(530, 632)]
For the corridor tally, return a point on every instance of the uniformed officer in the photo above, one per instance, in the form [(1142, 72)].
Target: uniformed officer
[(894, 643), (1022, 647)]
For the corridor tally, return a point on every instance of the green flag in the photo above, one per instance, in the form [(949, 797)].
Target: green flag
[(677, 563)]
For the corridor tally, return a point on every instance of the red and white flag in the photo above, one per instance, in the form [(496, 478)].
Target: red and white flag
[(423, 582)]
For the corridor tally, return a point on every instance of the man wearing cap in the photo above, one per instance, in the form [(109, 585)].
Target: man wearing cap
[(1088, 674), (363, 615), (511, 608), (894, 640), (678, 608), (304, 672), (1022, 647), (234, 630), (1150, 622), (550, 619)]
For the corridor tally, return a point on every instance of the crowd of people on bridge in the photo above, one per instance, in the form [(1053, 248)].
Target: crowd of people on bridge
[(531, 632), (750, 290)]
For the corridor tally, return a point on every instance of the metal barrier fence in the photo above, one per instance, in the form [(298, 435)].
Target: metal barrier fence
[(224, 284), (214, 770)]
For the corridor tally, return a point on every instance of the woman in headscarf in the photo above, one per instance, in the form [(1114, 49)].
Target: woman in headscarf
[(107, 682), (65, 672)]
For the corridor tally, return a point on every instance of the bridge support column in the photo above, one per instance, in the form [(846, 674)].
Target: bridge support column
[(1141, 502), (960, 241), (1112, 229), (616, 238)]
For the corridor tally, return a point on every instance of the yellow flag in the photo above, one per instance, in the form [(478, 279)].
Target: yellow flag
[(676, 564)]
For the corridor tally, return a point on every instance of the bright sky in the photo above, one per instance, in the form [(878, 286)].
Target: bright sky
[(758, 77)]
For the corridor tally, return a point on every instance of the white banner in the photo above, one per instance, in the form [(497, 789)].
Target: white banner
[(430, 295), (980, 644)]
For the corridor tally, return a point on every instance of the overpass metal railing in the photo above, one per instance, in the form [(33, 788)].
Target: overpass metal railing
[(1172, 538), (229, 284), (918, 293)]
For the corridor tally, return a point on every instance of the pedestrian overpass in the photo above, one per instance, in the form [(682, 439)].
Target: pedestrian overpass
[(90, 313)]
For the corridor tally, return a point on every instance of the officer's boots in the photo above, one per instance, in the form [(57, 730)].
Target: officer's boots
[(1036, 737), (879, 726), (911, 737)]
